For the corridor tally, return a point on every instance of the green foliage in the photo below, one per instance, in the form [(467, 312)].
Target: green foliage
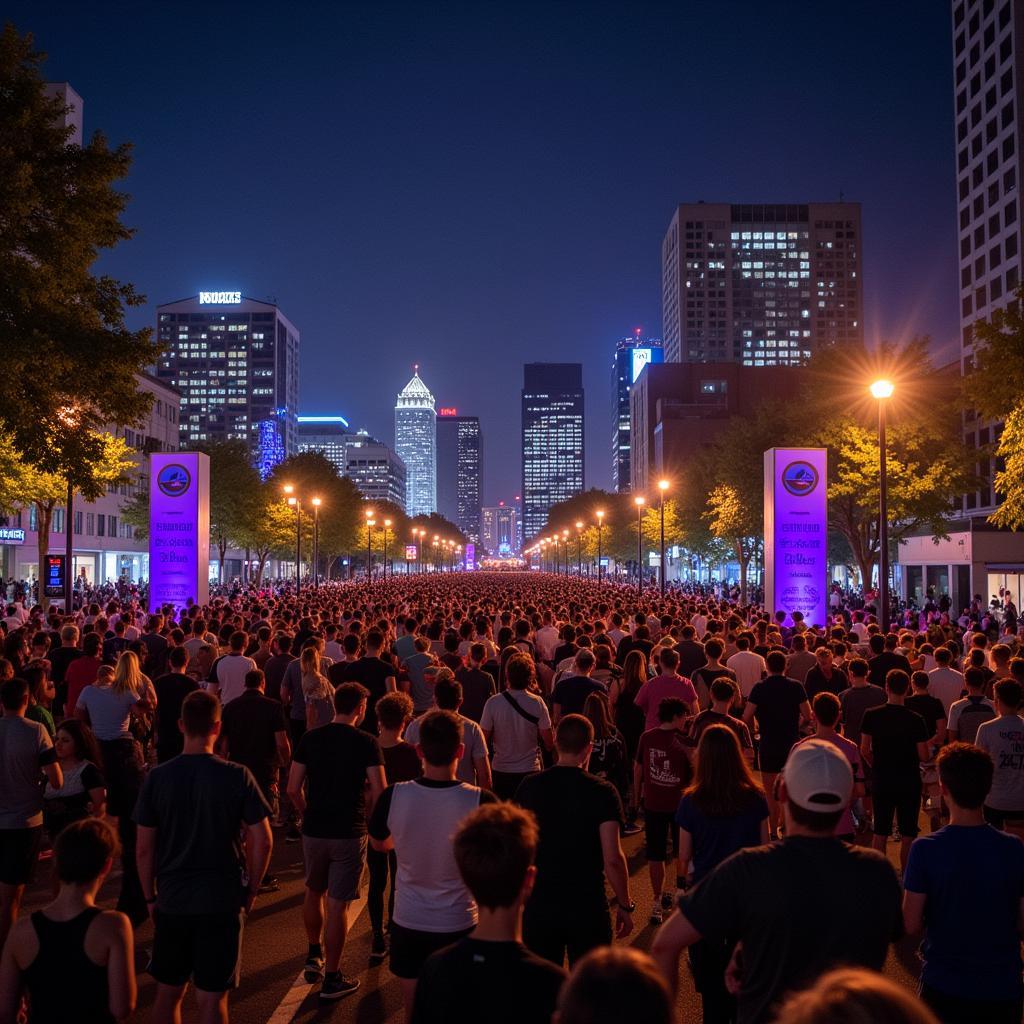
[(62, 328)]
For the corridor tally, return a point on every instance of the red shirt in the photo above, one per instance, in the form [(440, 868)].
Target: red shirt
[(80, 674), (666, 769)]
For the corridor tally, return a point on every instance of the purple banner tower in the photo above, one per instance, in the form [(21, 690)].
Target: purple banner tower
[(179, 529), (796, 533)]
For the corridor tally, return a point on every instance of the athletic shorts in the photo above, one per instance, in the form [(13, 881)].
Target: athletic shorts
[(204, 947), (772, 759), (334, 866), (409, 948), (19, 853), (904, 803), (658, 827)]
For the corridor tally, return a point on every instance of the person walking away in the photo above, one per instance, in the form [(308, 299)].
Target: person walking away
[(944, 681), (171, 690), (495, 847), (608, 759), (198, 883), (668, 684), (72, 959), (332, 768), (724, 697), (571, 692), (227, 676), (1003, 740), (628, 717), (968, 713), (83, 792), (477, 685), (317, 691)]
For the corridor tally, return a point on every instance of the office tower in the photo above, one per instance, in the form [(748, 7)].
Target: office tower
[(416, 445), (499, 530), (74, 114), (760, 284), (458, 470), (552, 423), (375, 469), (235, 361), (631, 356), (325, 434)]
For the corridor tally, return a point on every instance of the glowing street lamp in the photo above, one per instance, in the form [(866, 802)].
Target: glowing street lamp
[(882, 390), (387, 523), (600, 525), (293, 499), (640, 502), (662, 488), (579, 548), (316, 543)]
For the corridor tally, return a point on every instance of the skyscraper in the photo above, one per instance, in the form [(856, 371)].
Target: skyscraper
[(458, 470), (631, 356), (375, 469), (552, 423), (416, 445), (499, 530), (760, 284), (235, 361), (326, 434)]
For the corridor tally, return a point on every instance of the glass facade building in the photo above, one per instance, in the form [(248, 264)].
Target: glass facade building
[(416, 445), (326, 434), (552, 425), (499, 530), (375, 469), (458, 470), (631, 356), (236, 363)]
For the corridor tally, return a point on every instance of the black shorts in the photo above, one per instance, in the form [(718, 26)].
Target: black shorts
[(771, 759), (904, 803), (19, 853), (410, 948), (204, 947), (658, 827)]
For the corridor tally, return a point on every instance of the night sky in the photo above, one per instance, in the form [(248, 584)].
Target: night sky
[(475, 186)]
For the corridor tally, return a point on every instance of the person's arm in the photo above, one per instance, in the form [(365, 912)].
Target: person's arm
[(638, 781), (98, 799), (483, 771), (913, 911), (685, 855), (390, 684), (547, 737), (675, 935), (378, 783), (258, 843), (380, 835), (556, 713), (284, 748), (865, 748), (54, 775), (749, 710), (296, 777), (765, 832), (805, 713), (145, 858), (10, 981), (617, 872), (121, 987), (923, 751), (940, 739)]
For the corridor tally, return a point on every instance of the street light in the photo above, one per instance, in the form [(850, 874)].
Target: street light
[(436, 539), (293, 500), (579, 549), (640, 502), (600, 525), (419, 550), (565, 542), (316, 543), (662, 488), (882, 390), (370, 524), (68, 415), (387, 523)]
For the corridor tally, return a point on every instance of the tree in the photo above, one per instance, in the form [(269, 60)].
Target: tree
[(270, 532), (994, 387), (735, 522), (62, 328)]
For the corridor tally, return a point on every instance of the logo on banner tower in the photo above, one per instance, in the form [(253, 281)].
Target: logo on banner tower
[(173, 480), (800, 478)]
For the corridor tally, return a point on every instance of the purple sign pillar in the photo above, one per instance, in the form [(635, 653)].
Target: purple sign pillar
[(470, 556), (796, 533), (179, 529)]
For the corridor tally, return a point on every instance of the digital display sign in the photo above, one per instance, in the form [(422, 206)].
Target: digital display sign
[(641, 357), (470, 556), (796, 532), (447, 410), (54, 581), (220, 298), (410, 552)]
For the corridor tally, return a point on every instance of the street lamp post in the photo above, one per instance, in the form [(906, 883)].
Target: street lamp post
[(316, 543), (640, 501), (68, 415), (387, 523), (662, 488), (579, 549), (565, 543), (436, 539), (600, 526), (882, 390), (293, 500), (558, 564), (370, 524)]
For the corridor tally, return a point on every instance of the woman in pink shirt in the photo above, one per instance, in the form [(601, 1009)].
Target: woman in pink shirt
[(668, 684)]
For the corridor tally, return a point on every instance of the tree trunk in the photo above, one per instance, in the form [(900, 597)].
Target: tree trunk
[(744, 559), (262, 557), (245, 568), (222, 550), (328, 567), (44, 519)]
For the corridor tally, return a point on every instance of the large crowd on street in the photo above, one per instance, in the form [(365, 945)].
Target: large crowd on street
[(469, 750)]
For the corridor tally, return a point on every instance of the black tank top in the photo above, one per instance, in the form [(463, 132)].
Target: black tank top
[(63, 983)]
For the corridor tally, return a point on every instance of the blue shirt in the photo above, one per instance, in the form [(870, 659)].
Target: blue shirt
[(714, 839), (973, 878)]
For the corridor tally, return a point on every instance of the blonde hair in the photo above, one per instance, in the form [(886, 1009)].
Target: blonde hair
[(127, 674), (854, 996)]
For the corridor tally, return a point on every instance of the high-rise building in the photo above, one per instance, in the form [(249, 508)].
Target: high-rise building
[(458, 470), (235, 361), (499, 530), (553, 449), (631, 356), (326, 434), (375, 469), (416, 445), (760, 284)]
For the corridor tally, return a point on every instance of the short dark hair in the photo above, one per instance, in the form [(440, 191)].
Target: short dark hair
[(447, 692), (776, 661), (254, 679), (723, 689), (858, 667), (714, 647), (897, 681), (374, 639), (440, 737), (1009, 691), (585, 659), (520, 671), (348, 697), (966, 771), (669, 658), (477, 652), (238, 640), (83, 849), (393, 709), (975, 678), (573, 733), (200, 712), (826, 708), (612, 984), (494, 848), (177, 657), (13, 693), (671, 707)]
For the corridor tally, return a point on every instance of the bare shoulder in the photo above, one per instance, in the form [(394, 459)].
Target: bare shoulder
[(110, 927), (22, 942)]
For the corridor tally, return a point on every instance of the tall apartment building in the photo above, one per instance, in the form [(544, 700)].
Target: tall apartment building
[(459, 451), (416, 445), (235, 361), (631, 356), (374, 468), (553, 449), (760, 284), (499, 530), (325, 434)]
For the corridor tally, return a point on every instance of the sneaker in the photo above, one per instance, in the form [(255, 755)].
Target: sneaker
[(656, 915), (313, 969), (378, 948), (631, 829), (667, 903), (269, 884), (337, 986), (293, 835)]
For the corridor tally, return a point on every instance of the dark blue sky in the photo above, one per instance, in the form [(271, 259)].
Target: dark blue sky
[(472, 186)]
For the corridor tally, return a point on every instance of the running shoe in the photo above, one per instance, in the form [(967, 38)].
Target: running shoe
[(667, 903), (313, 969), (378, 949), (656, 915), (336, 986)]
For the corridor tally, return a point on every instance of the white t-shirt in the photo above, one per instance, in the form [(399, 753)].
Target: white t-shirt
[(947, 684), (1003, 738), (230, 672), (472, 739), (514, 737), (750, 669)]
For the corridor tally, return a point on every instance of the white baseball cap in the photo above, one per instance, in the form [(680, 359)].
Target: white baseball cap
[(817, 776)]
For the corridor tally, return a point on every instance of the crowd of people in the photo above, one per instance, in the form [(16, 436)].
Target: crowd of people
[(472, 750)]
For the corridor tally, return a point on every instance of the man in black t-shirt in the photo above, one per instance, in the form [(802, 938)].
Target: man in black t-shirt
[(884, 658), (490, 975), (197, 881), (370, 671), (334, 762), (570, 693), (580, 817), (894, 741), (254, 733), (750, 897), (171, 690), (477, 685)]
